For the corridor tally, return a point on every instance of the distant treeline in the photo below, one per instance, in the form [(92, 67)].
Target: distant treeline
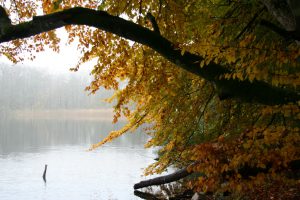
[(28, 88)]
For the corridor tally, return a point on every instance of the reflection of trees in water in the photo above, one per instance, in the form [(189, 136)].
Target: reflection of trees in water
[(29, 88), (33, 135)]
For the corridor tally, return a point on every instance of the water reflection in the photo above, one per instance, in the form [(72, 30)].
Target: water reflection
[(18, 135), (73, 173)]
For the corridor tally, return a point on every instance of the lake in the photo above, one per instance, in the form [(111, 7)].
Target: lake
[(109, 172)]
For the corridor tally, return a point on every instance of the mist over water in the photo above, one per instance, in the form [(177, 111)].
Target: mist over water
[(30, 88), (29, 136), (29, 139), (73, 172)]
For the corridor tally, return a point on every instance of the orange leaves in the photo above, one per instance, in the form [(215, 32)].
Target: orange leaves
[(230, 56), (248, 144), (269, 148), (272, 137), (185, 118), (288, 110), (48, 6)]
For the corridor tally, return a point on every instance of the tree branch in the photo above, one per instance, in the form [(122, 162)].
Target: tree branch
[(246, 172), (256, 91), (163, 179), (250, 23), (151, 18)]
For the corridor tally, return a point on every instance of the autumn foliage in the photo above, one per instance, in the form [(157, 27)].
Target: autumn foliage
[(246, 148)]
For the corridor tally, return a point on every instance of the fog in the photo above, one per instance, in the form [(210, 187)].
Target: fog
[(25, 87), (46, 117)]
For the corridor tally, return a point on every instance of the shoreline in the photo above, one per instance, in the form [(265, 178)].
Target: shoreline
[(65, 114)]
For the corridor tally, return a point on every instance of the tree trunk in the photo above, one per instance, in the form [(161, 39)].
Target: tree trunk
[(283, 13)]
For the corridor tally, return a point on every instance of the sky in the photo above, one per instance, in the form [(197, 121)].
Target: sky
[(56, 63)]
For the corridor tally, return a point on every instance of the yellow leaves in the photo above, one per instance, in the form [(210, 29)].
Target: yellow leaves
[(114, 134), (169, 146), (240, 76), (227, 76), (10, 57), (236, 161), (259, 179), (224, 168), (56, 5), (268, 110), (287, 110), (273, 136), (116, 116), (261, 165), (230, 56), (282, 77), (47, 6), (182, 51), (202, 63), (188, 122), (248, 144)]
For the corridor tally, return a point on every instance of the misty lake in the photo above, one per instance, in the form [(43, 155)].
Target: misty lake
[(109, 172)]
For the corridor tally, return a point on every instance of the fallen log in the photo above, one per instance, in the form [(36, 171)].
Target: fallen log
[(246, 172), (163, 179)]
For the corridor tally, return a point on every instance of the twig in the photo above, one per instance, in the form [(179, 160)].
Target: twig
[(250, 23), (151, 18)]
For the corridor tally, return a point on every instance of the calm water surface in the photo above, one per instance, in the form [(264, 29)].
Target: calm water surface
[(73, 173)]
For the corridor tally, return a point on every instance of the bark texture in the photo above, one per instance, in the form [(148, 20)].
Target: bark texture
[(282, 11)]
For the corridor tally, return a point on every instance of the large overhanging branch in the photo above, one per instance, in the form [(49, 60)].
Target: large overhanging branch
[(256, 91)]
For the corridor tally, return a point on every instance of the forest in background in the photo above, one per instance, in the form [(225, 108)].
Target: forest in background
[(28, 88)]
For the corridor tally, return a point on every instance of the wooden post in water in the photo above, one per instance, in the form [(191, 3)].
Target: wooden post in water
[(44, 174)]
